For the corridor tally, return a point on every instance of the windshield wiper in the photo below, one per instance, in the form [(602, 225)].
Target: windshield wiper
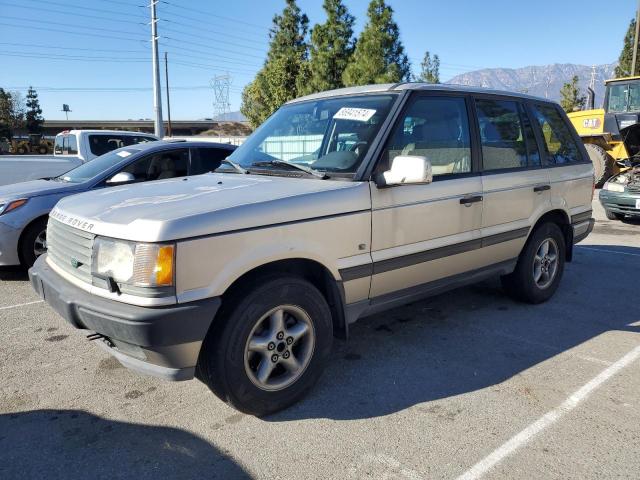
[(303, 168), (235, 166)]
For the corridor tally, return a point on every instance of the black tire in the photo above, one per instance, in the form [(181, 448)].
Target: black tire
[(613, 216), (21, 151), (42, 150), (28, 240), (521, 284), (222, 359), (602, 163)]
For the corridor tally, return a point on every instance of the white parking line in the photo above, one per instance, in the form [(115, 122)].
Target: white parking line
[(525, 436), (604, 250), (21, 305)]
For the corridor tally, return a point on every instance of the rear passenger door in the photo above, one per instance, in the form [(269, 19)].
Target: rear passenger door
[(570, 170), (515, 185), (423, 233)]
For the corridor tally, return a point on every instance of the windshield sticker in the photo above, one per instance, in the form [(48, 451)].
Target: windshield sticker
[(123, 154), (357, 114)]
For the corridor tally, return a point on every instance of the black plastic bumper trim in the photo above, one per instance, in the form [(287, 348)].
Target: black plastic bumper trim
[(142, 326)]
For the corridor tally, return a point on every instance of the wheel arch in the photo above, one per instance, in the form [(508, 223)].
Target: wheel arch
[(561, 218), (311, 270)]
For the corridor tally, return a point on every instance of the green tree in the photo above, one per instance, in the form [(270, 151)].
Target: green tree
[(330, 50), (379, 55), (283, 72), (429, 69), (33, 116), (626, 55), (570, 97), (12, 112)]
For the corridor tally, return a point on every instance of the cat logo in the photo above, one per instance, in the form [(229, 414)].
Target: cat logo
[(592, 123)]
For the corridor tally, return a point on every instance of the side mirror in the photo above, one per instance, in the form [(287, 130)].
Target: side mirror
[(406, 169), (120, 178)]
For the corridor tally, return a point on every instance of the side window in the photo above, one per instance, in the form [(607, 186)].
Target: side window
[(208, 160), (436, 128), (72, 145), (101, 144), (129, 140), (561, 148), (169, 164), (501, 134), (59, 145)]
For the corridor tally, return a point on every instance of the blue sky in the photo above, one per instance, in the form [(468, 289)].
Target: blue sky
[(95, 54)]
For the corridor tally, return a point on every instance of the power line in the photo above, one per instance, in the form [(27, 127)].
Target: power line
[(202, 12), (92, 28), (82, 34), (80, 7), (205, 37), (75, 14), (209, 46), (70, 48)]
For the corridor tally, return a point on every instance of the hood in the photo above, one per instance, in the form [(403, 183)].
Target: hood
[(207, 204), (35, 188)]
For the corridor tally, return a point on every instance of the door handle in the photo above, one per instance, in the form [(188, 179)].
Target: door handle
[(467, 201), (541, 188)]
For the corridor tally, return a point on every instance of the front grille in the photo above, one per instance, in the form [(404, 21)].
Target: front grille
[(70, 249)]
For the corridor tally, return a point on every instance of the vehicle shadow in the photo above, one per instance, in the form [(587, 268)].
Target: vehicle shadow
[(471, 338), (73, 444), (13, 274)]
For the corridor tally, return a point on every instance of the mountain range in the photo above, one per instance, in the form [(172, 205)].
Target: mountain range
[(543, 80)]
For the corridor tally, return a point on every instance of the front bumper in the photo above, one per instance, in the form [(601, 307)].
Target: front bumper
[(622, 203), (9, 239), (159, 341)]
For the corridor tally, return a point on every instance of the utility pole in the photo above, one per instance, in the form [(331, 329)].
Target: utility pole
[(166, 76), (635, 41), (157, 94)]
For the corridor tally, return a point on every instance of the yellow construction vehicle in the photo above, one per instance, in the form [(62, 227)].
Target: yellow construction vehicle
[(611, 133), (34, 143)]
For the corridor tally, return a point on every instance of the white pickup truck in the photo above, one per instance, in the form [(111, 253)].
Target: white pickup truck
[(72, 148)]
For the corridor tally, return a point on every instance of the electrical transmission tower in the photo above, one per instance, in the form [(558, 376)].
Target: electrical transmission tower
[(592, 82), (221, 105)]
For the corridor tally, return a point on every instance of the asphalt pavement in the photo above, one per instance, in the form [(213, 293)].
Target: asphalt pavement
[(469, 384)]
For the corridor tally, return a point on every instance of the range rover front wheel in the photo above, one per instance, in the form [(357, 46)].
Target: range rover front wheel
[(268, 346), (540, 266)]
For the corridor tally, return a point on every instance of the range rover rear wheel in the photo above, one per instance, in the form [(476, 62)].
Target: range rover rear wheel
[(540, 266), (268, 346)]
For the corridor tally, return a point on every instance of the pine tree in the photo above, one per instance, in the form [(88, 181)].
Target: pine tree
[(280, 77), (626, 55), (33, 115), (330, 50), (571, 100), (429, 69), (379, 55)]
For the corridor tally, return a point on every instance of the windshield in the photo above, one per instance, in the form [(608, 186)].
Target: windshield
[(624, 97), (95, 167), (328, 135)]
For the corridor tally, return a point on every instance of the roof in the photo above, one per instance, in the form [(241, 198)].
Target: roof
[(159, 144), (398, 87), (621, 79), (108, 132)]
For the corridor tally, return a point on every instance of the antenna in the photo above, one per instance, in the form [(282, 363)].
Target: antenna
[(221, 105)]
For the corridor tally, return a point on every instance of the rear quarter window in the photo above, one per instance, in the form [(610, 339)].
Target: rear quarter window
[(559, 142)]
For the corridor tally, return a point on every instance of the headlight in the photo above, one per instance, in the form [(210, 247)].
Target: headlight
[(9, 206), (614, 187), (139, 264)]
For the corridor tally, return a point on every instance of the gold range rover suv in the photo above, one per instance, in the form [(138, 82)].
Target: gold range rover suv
[(342, 204)]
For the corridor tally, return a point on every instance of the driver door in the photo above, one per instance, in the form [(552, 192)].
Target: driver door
[(423, 233)]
